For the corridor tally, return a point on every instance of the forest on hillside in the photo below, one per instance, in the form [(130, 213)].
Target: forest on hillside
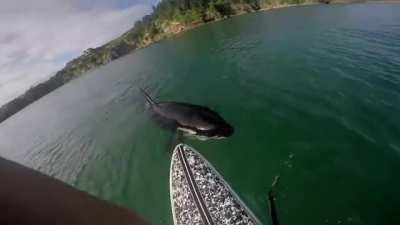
[(168, 18)]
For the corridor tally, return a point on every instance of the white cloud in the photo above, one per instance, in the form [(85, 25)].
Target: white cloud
[(37, 39)]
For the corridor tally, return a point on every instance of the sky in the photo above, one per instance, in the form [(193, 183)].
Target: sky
[(38, 37)]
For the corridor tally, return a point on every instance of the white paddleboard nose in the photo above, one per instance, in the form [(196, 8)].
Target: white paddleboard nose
[(200, 195)]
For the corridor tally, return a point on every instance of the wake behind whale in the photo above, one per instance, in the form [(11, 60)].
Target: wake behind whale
[(196, 120)]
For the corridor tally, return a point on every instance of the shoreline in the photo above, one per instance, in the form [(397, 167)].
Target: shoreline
[(262, 9), (92, 59), (197, 24)]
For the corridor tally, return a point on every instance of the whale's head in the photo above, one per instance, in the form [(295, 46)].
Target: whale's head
[(221, 130), (206, 123)]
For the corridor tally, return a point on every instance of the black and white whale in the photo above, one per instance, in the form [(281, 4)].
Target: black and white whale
[(191, 119)]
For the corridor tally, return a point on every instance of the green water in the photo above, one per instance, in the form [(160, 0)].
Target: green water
[(313, 93)]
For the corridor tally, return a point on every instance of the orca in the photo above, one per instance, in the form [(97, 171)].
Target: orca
[(193, 120)]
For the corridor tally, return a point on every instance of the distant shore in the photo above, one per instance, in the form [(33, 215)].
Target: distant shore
[(125, 44)]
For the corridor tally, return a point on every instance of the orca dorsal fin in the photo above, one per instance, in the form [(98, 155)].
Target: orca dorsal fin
[(148, 98)]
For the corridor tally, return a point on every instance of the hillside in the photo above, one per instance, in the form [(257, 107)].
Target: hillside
[(169, 17)]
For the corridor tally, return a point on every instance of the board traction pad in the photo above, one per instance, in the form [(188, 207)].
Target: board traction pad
[(200, 196)]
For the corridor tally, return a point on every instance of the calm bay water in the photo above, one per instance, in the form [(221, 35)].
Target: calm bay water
[(313, 93)]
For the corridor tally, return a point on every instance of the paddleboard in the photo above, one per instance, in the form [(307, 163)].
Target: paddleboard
[(199, 194)]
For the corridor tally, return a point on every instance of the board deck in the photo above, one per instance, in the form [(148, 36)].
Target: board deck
[(200, 196)]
